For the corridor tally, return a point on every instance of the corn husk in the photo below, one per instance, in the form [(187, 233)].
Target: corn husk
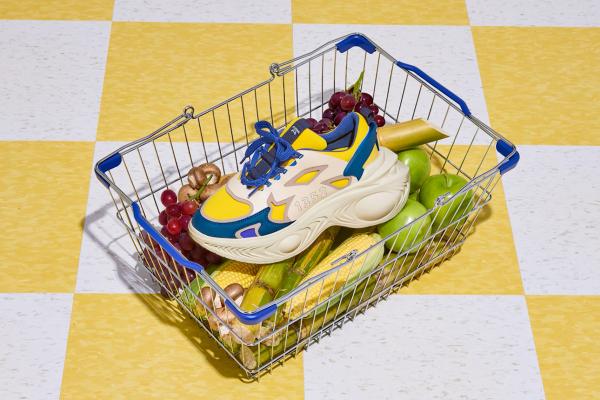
[(408, 134)]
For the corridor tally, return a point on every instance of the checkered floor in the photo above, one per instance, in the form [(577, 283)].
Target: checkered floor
[(515, 315)]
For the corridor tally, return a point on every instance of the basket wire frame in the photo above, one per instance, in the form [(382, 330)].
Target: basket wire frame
[(301, 88)]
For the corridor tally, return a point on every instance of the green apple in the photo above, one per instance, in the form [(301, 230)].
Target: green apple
[(438, 185), (418, 165), (409, 236), (414, 196)]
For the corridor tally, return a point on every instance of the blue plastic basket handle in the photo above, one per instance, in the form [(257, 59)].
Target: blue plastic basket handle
[(359, 40)]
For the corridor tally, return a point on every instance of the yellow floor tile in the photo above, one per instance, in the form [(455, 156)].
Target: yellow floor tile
[(430, 12), (57, 9), (541, 85), (140, 347), (565, 331), (44, 196), (487, 262), (155, 69)]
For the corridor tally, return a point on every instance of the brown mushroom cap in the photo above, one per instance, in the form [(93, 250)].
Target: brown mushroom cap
[(234, 290), (196, 177), (185, 192), (208, 296), (211, 170), (209, 190), (225, 315)]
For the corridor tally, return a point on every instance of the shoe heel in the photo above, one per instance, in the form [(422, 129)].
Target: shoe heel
[(379, 198), (385, 204)]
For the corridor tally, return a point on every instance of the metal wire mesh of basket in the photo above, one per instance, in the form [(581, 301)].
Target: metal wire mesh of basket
[(257, 340)]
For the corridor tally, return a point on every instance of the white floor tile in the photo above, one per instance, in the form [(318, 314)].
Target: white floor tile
[(108, 262), (52, 74), (269, 11), (33, 342), (553, 200), (444, 52), (534, 13), (429, 347)]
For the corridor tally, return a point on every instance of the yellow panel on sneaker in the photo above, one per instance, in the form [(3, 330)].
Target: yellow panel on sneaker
[(222, 206), (306, 178), (340, 183)]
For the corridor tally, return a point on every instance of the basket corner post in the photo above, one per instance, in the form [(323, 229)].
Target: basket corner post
[(106, 164), (509, 151), (356, 40)]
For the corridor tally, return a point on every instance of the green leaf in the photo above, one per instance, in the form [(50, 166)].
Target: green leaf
[(187, 295), (202, 188), (357, 85)]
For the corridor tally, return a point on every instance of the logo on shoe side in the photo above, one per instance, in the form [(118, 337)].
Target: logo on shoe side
[(305, 202)]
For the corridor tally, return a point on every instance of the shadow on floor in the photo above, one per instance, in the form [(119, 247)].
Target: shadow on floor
[(140, 281)]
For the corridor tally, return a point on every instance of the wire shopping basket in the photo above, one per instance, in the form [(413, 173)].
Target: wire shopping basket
[(138, 172)]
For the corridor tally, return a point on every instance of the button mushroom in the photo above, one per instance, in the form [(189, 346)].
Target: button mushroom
[(196, 177), (225, 315), (210, 298), (234, 290), (206, 179), (212, 171), (186, 193), (199, 176)]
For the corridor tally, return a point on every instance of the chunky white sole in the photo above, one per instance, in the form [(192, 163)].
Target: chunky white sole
[(377, 197)]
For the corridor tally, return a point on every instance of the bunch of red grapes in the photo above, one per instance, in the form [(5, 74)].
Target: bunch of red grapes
[(174, 220), (340, 104)]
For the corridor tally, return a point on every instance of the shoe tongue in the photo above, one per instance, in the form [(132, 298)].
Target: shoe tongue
[(299, 135)]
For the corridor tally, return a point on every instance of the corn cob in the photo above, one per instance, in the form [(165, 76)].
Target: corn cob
[(252, 358), (307, 260), (265, 285), (322, 290), (261, 291), (277, 279), (229, 271)]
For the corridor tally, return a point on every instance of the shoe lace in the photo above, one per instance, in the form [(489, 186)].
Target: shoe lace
[(259, 150)]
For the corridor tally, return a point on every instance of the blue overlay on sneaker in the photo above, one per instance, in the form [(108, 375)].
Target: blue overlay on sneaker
[(343, 136), (249, 232), (229, 229), (356, 164)]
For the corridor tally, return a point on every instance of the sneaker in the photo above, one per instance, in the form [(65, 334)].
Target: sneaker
[(297, 183)]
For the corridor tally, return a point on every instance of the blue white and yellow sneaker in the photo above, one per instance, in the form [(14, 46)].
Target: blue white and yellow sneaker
[(295, 184)]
